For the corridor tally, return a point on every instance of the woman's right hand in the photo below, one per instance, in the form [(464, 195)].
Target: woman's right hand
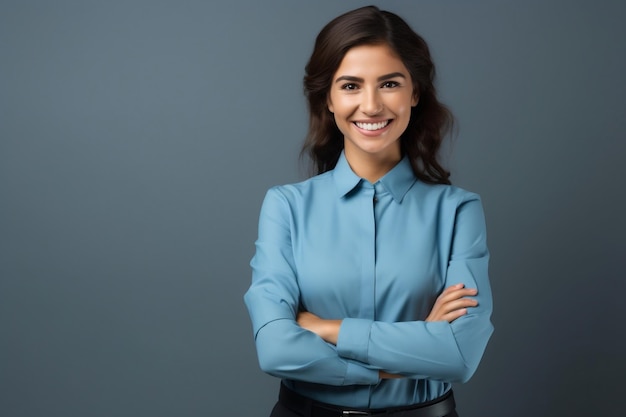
[(452, 303)]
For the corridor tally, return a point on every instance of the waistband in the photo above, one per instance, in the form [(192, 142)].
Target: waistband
[(439, 407)]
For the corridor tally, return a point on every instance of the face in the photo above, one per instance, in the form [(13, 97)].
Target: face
[(371, 96)]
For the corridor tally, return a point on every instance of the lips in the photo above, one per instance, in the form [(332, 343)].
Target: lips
[(372, 126)]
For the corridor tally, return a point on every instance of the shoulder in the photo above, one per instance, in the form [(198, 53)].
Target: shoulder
[(456, 211), (295, 192), (442, 194)]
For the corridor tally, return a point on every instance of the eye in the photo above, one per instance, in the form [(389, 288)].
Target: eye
[(390, 84), (349, 86)]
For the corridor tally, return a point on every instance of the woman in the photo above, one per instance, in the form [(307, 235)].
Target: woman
[(370, 291)]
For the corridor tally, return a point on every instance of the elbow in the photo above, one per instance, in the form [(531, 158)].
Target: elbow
[(470, 353), (454, 369), (272, 357), (267, 367), (275, 342), (269, 363), (462, 374)]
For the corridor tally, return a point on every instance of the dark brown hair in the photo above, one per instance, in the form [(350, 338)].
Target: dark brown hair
[(430, 120)]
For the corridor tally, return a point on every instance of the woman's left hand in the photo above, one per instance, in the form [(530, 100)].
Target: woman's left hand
[(326, 329)]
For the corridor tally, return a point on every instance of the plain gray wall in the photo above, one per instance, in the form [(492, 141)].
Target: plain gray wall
[(137, 139)]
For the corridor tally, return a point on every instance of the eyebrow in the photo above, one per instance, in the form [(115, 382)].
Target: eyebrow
[(360, 80)]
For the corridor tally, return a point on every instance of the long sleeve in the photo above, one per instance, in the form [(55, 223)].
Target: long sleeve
[(375, 256), (434, 350), (285, 349)]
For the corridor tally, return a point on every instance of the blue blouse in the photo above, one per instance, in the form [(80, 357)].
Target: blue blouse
[(376, 256)]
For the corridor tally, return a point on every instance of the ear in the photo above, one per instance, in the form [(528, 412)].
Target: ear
[(416, 98), (329, 104)]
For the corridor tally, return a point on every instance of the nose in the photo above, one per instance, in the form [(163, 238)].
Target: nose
[(371, 104)]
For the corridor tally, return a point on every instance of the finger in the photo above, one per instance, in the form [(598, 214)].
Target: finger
[(458, 304), (455, 288), (440, 311), (456, 294), (453, 315), (447, 315), (452, 288)]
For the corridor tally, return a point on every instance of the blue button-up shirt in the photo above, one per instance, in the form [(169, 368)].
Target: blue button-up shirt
[(376, 256)]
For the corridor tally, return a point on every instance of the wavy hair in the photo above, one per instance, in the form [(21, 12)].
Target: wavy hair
[(430, 120)]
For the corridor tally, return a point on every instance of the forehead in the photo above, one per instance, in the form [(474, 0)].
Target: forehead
[(373, 60)]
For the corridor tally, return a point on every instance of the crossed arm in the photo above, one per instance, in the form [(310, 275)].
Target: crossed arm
[(451, 304), (447, 345)]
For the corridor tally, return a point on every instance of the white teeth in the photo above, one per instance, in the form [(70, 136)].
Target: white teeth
[(372, 126)]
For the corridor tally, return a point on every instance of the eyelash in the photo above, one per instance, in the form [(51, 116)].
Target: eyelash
[(391, 84), (349, 86), (386, 84)]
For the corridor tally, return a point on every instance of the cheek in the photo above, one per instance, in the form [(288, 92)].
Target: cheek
[(341, 113), (401, 104), (404, 110), (339, 123)]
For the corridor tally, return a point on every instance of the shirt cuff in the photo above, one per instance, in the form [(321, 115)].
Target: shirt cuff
[(353, 340)]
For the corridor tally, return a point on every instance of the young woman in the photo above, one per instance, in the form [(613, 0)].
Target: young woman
[(370, 291)]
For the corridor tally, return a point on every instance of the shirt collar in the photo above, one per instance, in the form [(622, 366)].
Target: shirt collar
[(345, 179), (397, 181)]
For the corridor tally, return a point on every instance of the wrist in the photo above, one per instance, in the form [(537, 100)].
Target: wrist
[(331, 331)]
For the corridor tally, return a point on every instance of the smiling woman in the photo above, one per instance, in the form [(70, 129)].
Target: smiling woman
[(370, 293), (371, 99)]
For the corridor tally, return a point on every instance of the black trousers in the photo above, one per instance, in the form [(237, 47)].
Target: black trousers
[(281, 411)]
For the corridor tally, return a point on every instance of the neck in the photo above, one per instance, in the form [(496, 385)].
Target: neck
[(371, 167)]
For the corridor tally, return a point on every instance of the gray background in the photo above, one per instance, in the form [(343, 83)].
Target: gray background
[(137, 140)]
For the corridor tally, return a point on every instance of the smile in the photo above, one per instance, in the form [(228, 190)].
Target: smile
[(372, 126)]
